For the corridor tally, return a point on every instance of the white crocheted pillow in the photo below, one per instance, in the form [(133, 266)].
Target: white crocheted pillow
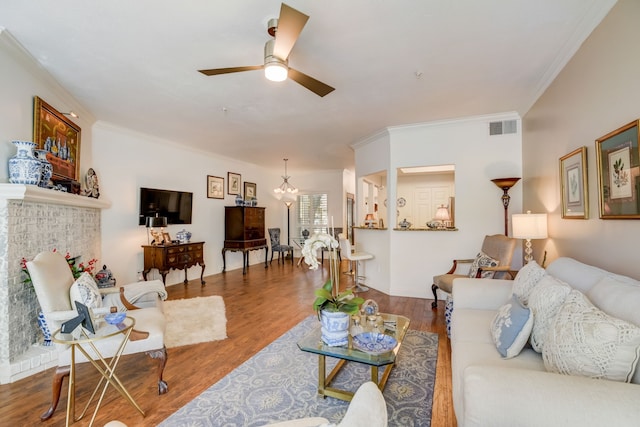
[(526, 279), (586, 341), (545, 301)]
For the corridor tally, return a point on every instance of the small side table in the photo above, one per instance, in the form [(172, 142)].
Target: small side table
[(78, 341)]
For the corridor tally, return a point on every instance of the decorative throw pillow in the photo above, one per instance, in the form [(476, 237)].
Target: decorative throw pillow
[(483, 260), (587, 341), (526, 279), (85, 290), (545, 301), (511, 327)]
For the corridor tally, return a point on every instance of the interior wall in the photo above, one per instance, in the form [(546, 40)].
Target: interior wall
[(405, 261), (596, 93), (126, 161)]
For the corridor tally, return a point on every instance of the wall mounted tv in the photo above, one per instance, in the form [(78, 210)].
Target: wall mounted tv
[(176, 206)]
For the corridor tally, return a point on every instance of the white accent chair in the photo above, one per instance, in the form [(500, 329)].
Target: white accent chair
[(367, 409), (353, 256), (52, 280)]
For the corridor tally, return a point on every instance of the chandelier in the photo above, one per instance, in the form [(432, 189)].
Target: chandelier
[(285, 187)]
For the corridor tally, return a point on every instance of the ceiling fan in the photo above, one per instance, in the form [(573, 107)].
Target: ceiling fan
[(285, 32)]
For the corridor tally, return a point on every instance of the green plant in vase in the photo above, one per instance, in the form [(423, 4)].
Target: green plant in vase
[(334, 308)]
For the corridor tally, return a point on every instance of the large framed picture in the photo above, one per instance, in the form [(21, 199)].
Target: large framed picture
[(574, 187), (250, 190), (60, 137), (215, 187), (619, 173), (233, 183)]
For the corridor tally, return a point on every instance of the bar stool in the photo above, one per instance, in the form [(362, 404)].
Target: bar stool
[(346, 251)]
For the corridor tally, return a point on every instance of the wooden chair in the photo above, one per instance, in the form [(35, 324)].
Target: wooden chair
[(497, 246), (52, 280)]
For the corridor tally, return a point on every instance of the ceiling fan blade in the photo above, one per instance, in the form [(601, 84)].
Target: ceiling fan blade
[(310, 83), (216, 71), (290, 25)]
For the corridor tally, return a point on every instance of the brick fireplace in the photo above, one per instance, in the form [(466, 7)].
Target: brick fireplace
[(33, 220)]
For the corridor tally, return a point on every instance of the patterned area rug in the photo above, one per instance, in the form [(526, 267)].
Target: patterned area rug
[(206, 312), (280, 383)]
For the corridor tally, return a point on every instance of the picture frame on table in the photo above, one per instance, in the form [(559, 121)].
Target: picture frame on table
[(215, 187), (166, 238), (619, 173), (574, 184), (60, 137), (250, 190), (234, 182)]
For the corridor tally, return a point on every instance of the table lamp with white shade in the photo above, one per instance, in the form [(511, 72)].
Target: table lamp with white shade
[(529, 226)]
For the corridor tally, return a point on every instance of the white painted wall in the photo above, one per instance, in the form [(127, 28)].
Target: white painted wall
[(405, 261), (597, 92), (126, 161)]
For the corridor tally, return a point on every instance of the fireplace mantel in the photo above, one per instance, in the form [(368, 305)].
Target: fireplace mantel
[(32, 193)]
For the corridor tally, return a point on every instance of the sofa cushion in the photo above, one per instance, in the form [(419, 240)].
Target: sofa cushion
[(483, 260), (85, 290), (545, 301), (586, 341), (511, 328), (526, 279)]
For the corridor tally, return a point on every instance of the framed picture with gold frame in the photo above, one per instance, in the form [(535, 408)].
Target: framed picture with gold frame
[(250, 190), (60, 137), (619, 173), (574, 185)]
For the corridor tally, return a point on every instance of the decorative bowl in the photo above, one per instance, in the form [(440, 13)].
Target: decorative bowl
[(374, 342), (115, 318)]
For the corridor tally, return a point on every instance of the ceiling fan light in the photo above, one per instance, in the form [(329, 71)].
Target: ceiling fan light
[(276, 72)]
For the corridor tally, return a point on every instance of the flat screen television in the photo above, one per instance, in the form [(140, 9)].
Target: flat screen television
[(176, 206)]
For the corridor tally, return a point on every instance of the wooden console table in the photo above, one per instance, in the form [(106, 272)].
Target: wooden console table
[(179, 256), (244, 231)]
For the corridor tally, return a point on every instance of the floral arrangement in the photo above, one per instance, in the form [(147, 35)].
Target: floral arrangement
[(329, 297), (76, 270)]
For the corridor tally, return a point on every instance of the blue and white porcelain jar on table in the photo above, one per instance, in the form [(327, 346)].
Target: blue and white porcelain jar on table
[(24, 168)]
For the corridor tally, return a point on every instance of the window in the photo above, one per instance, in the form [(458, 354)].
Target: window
[(313, 213)]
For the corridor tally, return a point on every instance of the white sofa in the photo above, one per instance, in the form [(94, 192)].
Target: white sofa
[(489, 390)]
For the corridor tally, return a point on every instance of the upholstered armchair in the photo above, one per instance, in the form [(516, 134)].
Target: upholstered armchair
[(54, 285), (494, 261)]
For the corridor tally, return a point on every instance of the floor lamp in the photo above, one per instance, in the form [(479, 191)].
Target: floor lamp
[(288, 203), (505, 184)]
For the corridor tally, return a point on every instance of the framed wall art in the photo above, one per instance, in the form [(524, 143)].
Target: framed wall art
[(574, 185), (250, 190), (619, 173), (215, 187), (233, 183), (60, 137)]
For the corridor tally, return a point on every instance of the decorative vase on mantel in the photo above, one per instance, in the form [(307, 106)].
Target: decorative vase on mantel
[(46, 169), (24, 168), (335, 328)]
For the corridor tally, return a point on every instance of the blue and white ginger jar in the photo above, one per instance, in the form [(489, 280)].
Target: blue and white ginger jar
[(46, 169), (24, 168), (335, 328)]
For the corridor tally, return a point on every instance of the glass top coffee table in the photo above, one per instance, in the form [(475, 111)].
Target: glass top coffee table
[(312, 343)]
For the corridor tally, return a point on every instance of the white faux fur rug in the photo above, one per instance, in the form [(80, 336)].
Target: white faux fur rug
[(194, 320)]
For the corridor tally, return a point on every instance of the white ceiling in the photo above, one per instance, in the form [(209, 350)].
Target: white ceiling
[(133, 64)]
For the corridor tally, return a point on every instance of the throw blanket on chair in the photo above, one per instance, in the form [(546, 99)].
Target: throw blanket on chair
[(142, 294)]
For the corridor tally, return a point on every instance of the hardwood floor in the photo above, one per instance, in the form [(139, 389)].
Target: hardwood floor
[(254, 303)]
